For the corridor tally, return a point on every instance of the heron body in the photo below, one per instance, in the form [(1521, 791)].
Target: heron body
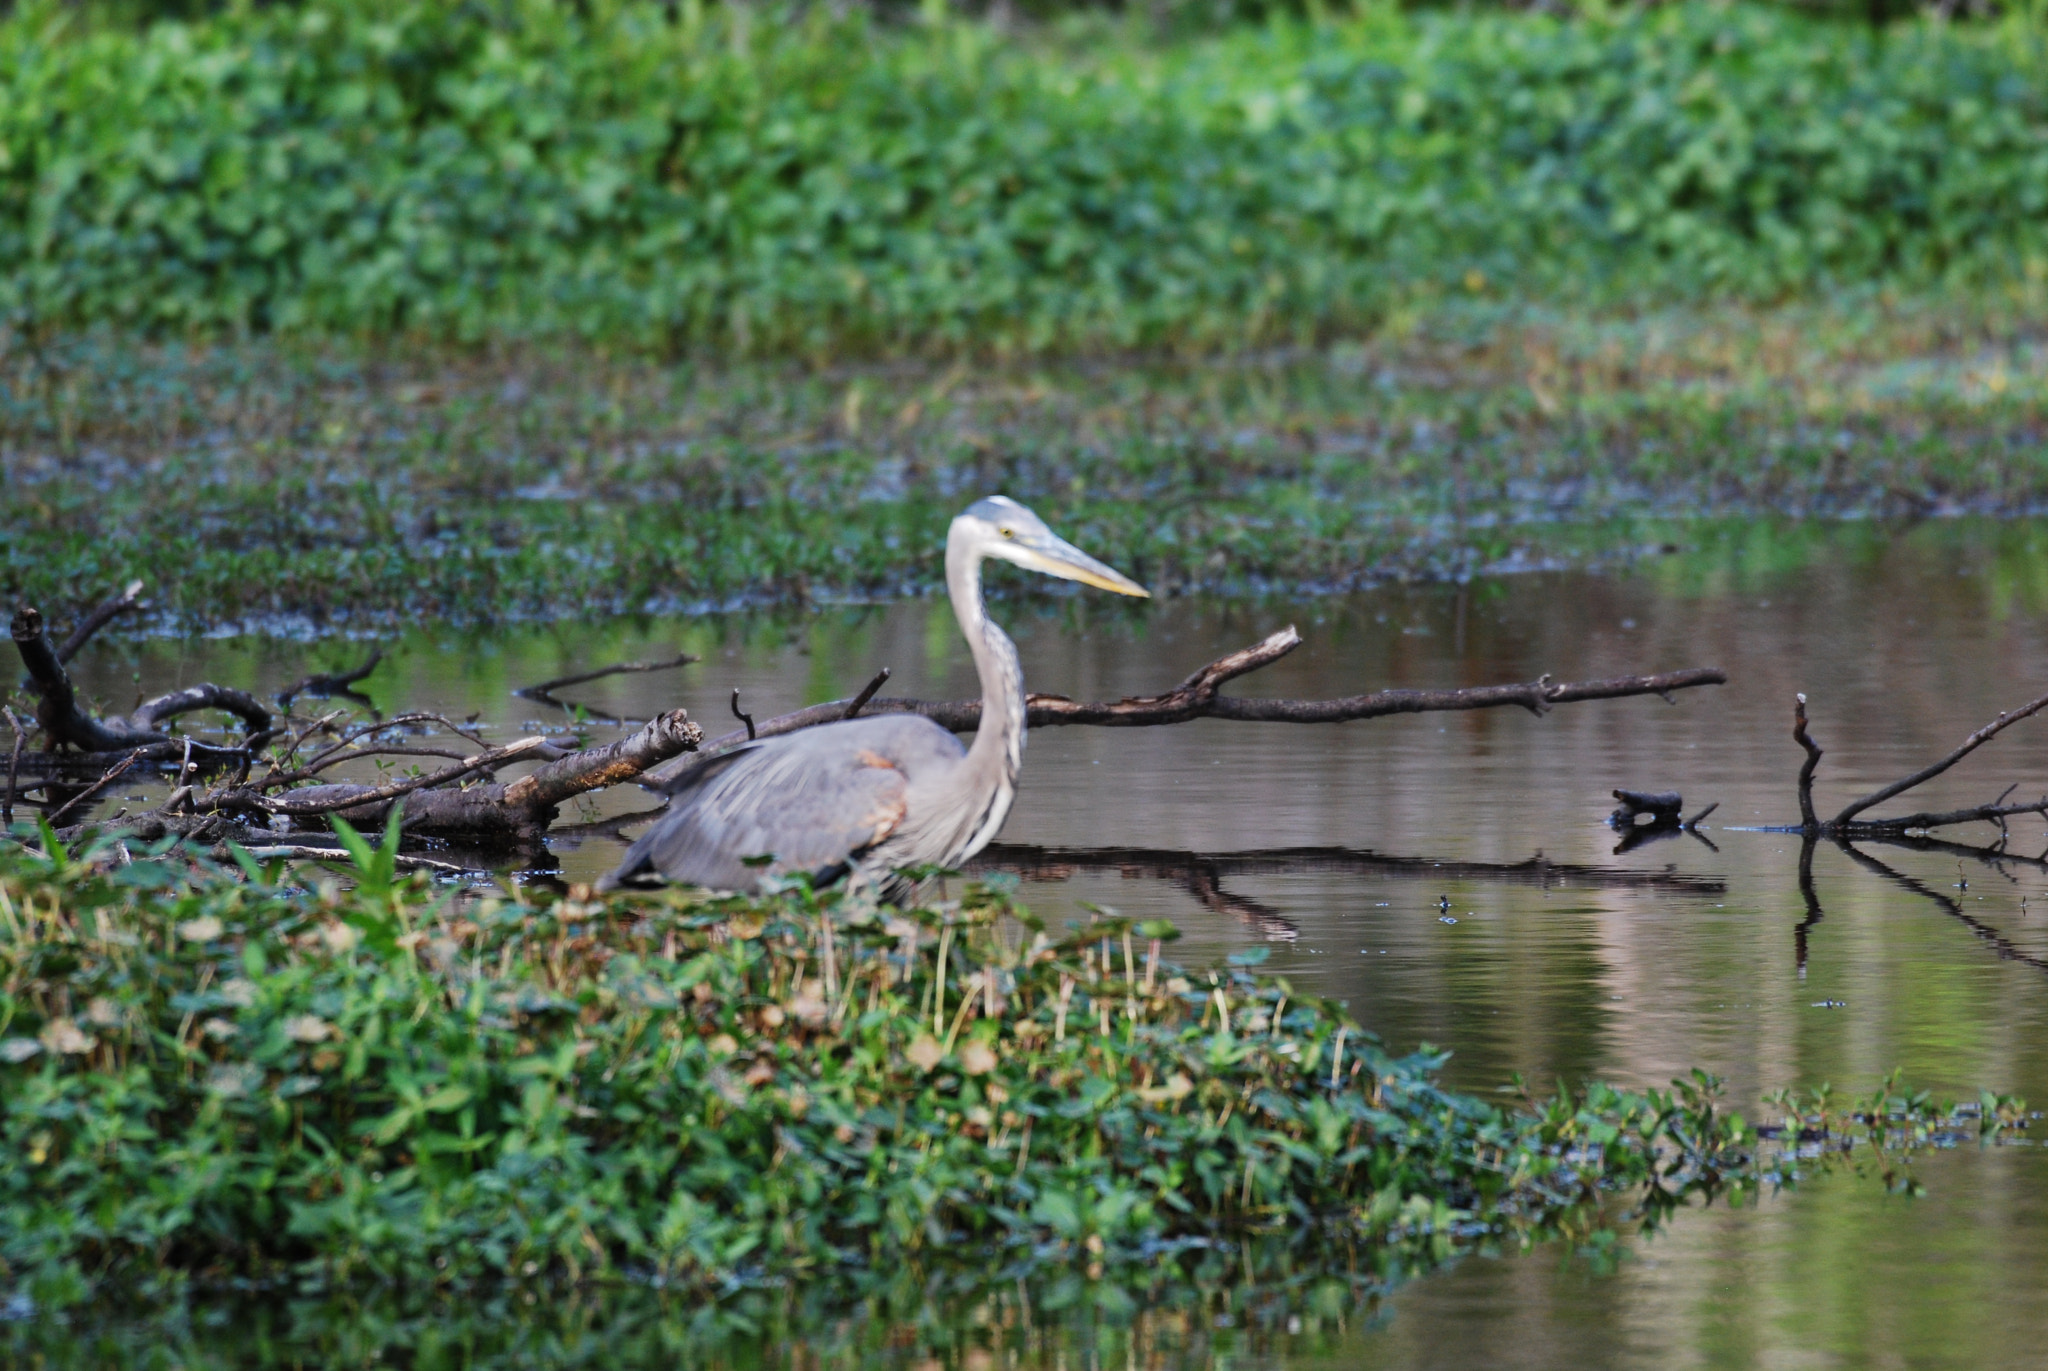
[(865, 798)]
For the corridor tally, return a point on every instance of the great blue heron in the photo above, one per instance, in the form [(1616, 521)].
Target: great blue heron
[(866, 798)]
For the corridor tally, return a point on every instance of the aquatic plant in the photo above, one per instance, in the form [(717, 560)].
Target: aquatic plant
[(681, 176), (210, 1072)]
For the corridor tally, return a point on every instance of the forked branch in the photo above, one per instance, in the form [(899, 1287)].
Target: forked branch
[(1846, 825)]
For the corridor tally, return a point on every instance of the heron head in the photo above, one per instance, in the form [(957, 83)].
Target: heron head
[(1000, 527)]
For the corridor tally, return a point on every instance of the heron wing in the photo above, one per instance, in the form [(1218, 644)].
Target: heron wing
[(812, 801)]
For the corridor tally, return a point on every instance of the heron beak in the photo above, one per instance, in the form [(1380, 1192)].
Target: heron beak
[(1058, 557)]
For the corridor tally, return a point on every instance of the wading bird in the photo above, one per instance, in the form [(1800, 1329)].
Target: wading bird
[(866, 798)]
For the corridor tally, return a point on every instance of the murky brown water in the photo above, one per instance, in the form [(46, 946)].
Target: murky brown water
[(1629, 967)]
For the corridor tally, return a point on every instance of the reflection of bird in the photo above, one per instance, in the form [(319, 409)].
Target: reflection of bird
[(868, 797)]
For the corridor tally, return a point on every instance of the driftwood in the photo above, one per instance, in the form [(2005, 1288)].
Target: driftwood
[(1198, 697)]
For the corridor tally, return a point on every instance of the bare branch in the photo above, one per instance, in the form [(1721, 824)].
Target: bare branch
[(1928, 773), (867, 692), (1813, 756), (1197, 697), (596, 767), (151, 715), (107, 611)]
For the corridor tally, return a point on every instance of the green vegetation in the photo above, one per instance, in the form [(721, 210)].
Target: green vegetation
[(213, 1075), (295, 487), (678, 178)]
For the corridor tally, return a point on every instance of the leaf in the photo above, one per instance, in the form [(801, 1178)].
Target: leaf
[(447, 1099)]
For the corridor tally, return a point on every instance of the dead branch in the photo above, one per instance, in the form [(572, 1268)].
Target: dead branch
[(1197, 697), (322, 685), (544, 692), (514, 812), (61, 718), (105, 613), (1845, 826), (1928, 773)]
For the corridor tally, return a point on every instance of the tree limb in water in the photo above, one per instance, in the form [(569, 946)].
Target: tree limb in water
[(1198, 697), (1847, 825)]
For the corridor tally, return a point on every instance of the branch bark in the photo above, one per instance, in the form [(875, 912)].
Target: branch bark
[(59, 714), (1846, 826), (105, 613), (1198, 697)]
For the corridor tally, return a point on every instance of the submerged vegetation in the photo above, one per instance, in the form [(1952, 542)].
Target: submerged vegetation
[(303, 486), (215, 1076), (676, 176)]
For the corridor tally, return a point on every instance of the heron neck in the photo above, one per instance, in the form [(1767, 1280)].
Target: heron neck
[(1000, 738)]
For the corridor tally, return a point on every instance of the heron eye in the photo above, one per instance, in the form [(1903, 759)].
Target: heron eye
[(1008, 533)]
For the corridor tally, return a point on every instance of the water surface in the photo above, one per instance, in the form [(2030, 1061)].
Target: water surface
[(1467, 893)]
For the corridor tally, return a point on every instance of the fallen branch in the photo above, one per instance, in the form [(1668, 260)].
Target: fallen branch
[(61, 718), (1197, 697), (105, 613), (1846, 826), (516, 811)]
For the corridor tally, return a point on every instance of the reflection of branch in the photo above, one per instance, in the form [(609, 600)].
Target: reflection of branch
[(1812, 899), (2003, 945), (1199, 697), (1201, 873), (1537, 870)]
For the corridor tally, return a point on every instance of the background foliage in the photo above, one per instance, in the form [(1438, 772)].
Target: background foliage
[(666, 176)]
